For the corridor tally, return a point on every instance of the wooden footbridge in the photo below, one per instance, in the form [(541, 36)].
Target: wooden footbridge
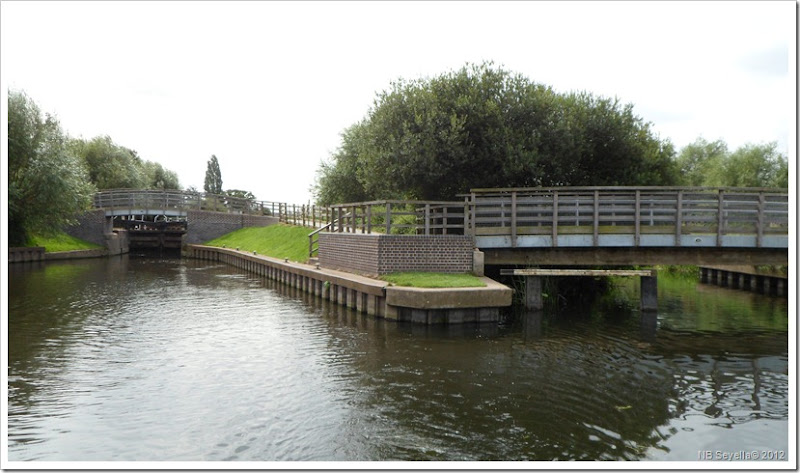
[(571, 226)]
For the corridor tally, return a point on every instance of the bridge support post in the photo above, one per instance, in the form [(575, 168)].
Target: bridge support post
[(649, 289), (533, 293), (532, 324), (648, 325)]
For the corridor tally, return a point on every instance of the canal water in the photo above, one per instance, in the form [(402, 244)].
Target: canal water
[(133, 359)]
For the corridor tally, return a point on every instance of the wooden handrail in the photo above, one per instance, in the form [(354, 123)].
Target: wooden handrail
[(623, 188)]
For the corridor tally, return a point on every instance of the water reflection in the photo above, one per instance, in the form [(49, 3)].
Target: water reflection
[(147, 359)]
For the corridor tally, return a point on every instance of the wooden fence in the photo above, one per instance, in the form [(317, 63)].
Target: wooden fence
[(393, 217), (399, 217)]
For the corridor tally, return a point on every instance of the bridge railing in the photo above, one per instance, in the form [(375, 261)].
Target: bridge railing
[(596, 211), (176, 201)]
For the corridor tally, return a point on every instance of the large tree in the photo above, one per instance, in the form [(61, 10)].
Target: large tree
[(483, 126), (47, 184), (213, 181)]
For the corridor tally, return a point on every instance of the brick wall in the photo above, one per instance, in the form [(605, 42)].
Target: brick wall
[(92, 226), (431, 253), (376, 254), (202, 226), (356, 253)]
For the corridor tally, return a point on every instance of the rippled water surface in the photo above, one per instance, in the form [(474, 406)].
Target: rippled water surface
[(162, 359)]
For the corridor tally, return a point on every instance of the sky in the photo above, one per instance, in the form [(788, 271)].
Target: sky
[(268, 87)]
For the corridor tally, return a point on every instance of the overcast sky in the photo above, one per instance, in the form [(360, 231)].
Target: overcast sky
[(268, 87)]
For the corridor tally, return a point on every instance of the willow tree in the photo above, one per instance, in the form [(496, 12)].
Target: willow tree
[(483, 126), (751, 165), (47, 183)]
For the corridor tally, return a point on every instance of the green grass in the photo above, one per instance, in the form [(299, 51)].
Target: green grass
[(278, 241), (60, 241), (433, 280)]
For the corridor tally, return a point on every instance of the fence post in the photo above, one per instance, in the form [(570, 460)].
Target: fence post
[(596, 218), (760, 220), (369, 218), (720, 217), (513, 219), (473, 213), (388, 218), (427, 219), (636, 223), (555, 218), (466, 216), (679, 218)]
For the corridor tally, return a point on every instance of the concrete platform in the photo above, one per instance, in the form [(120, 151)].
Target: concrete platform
[(371, 296)]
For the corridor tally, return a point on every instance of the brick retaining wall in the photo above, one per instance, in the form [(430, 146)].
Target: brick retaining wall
[(203, 226), (92, 226), (375, 254)]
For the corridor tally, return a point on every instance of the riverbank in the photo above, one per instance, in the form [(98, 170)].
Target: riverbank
[(58, 246), (32, 254), (371, 296)]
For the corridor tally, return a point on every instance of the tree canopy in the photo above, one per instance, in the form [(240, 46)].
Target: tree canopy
[(111, 166), (47, 183), (483, 126), (704, 163)]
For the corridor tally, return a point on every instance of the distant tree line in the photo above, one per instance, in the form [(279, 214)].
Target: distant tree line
[(704, 163), (51, 176), (483, 126)]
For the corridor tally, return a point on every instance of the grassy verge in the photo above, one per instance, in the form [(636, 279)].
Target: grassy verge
[(277, 241), (60, 241), (433, 280)]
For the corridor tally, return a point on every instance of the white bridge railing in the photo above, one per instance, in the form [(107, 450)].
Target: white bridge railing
[(177, 203)]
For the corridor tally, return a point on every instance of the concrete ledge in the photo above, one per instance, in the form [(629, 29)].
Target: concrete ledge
[(24, 254), (368, 295), (745, 269), (493, 295), (77, 254), (338, 278)]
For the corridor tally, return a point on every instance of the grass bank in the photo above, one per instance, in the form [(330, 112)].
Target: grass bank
[(277, 241), (60, 241), (433, 280)]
